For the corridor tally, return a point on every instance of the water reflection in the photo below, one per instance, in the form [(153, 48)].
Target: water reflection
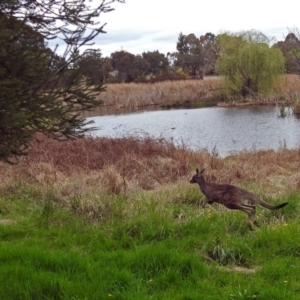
[(111, 110), (230, 130)]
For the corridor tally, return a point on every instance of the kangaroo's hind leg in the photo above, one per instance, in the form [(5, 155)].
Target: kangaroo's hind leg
[(253, 220), (250, 211), (253, 207)]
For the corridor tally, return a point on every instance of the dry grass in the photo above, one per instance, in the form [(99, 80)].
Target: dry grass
[(106, 166), (88, 176), (288, 89), (132, 95), (288, 84), (135, 95)]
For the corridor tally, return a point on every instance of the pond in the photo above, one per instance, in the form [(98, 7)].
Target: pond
[(228, 130)]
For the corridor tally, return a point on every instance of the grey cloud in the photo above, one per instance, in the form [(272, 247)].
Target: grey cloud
[(122, 36), (137, 42)]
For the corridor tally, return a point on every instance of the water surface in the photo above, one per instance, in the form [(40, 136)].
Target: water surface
[(228, 130)]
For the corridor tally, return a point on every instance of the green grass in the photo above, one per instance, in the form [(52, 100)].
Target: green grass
[(151, 245)]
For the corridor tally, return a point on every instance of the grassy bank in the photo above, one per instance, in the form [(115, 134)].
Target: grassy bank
[(117, 219), (193, 93)]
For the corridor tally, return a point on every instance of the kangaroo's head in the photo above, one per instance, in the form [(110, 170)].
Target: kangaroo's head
[(198, 177)]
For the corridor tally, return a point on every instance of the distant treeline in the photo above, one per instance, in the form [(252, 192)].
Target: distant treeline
[(194, 58)]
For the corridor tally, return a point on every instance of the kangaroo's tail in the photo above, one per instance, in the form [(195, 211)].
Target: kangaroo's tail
[(277, 206), (269, 206), (261, 202)]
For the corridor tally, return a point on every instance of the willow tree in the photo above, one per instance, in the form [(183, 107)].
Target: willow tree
[(40, 90), (250, 66)]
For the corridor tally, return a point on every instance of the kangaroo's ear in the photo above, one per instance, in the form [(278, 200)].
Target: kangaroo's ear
[(197, 171), (202, 171)]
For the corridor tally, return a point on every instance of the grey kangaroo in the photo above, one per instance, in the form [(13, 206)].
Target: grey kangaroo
[(232, 197)]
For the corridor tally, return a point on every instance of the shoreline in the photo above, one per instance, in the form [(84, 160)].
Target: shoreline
[(103, 110)]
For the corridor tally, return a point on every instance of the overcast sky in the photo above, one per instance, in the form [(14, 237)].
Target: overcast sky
[(147, 25)]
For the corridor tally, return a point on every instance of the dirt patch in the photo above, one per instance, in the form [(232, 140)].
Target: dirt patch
[(6, 222), (240, 270)]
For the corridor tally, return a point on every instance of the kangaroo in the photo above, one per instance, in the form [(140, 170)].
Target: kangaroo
[(232, 197)]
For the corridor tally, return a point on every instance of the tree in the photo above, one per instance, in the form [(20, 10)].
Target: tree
[(190, 54), (158, 62), (123, 62), (129, 67), (210, 52), (290, 48), (40, 92), (106, 69), (141, 66), (90, 64), (249, 64)]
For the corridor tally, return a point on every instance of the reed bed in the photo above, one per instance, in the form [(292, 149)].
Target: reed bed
[(184, 92), (288, 92), (132, 95), (288, 84)]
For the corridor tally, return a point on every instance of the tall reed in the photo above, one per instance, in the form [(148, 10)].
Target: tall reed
[(135, 95), (161, 93)]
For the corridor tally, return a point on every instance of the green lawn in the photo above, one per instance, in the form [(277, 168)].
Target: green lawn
[(151, 245)]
